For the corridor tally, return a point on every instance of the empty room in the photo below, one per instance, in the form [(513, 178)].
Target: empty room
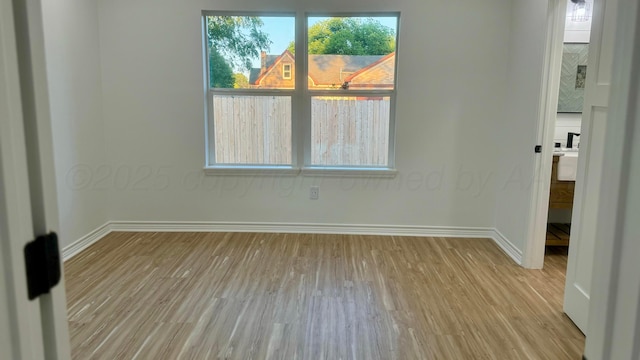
[(293, 179)]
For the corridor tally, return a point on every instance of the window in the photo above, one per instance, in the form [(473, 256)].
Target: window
[(333, 111), (250, 107), (286, 71)]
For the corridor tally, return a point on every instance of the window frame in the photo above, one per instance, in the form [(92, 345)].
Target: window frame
[(301, 97), (211, 166), (284, 65)]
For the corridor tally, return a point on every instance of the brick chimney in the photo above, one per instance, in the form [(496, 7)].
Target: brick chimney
[(263, 62)]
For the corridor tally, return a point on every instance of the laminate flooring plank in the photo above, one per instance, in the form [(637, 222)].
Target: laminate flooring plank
[(309, 296)]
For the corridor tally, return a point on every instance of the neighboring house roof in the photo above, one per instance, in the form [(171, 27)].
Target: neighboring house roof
[(269, 67), (254, 74), (334, 69), (328, 70), (379, 73)]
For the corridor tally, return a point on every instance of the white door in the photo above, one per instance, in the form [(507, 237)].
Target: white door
[(614, 311), (29, 329), (590, 163)]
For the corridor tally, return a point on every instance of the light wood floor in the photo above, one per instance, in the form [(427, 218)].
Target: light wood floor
[(286, 296)]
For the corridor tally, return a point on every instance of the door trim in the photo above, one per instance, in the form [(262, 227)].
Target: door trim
[(38, 142), (16, 228), (533, 252)]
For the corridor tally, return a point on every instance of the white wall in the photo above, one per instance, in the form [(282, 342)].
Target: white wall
[(566, 123), (73, 67), (517, 134), (451, 90)]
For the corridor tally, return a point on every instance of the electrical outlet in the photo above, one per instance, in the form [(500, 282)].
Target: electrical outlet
[(314, 193)]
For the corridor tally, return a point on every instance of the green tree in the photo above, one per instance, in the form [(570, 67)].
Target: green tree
[(350, 36), (238, 39), (241, 81), (220, 73)]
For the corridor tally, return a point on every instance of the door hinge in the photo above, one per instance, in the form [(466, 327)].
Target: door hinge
[(538, 149), (42, 260)]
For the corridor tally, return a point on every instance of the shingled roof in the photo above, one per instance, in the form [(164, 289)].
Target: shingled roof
[(327, 69), (334, 69), (254, 74)]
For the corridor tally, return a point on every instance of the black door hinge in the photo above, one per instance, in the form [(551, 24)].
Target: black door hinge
[(42, 259), (538, 149)]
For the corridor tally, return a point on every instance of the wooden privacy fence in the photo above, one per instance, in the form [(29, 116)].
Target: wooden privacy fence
[(344, 130), (350, 131), (252, 129)]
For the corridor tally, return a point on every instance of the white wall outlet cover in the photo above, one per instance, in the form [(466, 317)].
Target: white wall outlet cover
[(314, 193)]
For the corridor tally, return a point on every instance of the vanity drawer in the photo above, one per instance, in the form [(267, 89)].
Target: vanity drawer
[(561, 194)]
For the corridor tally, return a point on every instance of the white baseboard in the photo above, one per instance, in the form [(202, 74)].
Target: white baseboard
[(507, 246), (301, 228), (84, 242), (347, 229)]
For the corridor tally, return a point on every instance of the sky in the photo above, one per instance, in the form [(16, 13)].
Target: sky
[(281, 31)]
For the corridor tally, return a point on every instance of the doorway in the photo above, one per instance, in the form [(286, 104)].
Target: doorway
[(589, 164), (567, 129)]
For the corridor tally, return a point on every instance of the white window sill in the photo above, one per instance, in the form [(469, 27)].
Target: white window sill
[(309, 171), (350, 172), (251, 170)]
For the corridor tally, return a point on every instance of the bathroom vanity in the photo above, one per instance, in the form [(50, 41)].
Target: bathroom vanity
[(560, 197), (561, 193)]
